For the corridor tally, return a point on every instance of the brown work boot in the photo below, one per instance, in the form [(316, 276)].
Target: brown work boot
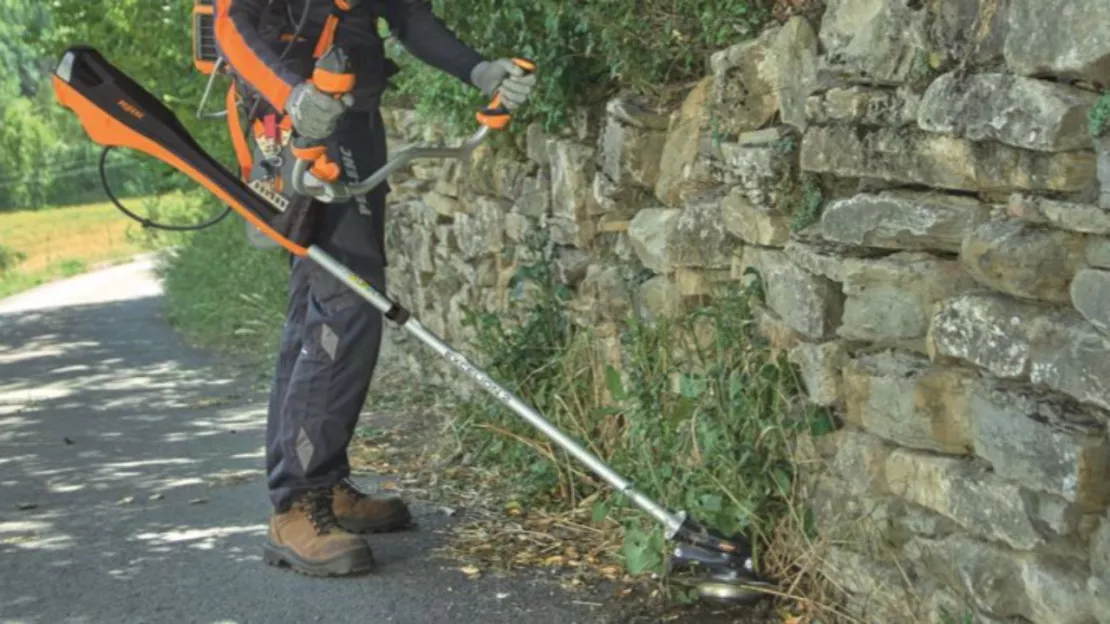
[(308, 538), (361, 513)]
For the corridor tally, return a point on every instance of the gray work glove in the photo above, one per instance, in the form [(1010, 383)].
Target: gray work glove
[(315, 114), (505, 77)]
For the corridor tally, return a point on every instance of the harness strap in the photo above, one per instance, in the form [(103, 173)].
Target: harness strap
[(327, 36), (238, 140)]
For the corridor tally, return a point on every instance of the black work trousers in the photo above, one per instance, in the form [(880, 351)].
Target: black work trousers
[(331, 338)]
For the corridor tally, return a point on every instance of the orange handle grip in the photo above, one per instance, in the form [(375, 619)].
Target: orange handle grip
[(332, 73), (316, 152), (303, 149), (333, 83), (495, 115)]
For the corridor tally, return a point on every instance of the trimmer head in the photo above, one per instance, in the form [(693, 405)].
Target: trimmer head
[(719, 567)]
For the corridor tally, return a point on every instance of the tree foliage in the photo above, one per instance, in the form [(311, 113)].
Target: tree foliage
[(150, 41), (46, 158), (21, 66)]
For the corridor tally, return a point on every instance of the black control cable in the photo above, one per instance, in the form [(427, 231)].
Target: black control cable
[(147, 223)]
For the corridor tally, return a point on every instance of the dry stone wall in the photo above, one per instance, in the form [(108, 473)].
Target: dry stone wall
[(915, 184)]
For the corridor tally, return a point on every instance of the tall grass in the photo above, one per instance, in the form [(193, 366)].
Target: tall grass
[(9, 258)]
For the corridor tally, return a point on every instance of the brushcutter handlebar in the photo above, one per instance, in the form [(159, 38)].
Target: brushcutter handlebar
[(317, 177), (305, 182)]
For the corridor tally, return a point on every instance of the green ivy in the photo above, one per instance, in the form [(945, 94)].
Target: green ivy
[(809, 202), (1098, 119)]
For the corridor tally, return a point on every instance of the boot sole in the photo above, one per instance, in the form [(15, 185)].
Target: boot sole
[(348, 564), (385, 525)]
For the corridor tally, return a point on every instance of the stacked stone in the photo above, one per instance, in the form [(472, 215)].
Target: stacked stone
[(951, 300)]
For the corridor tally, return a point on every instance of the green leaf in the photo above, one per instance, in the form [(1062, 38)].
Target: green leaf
[(712, 503), (822, 424), (640, 550), (782, 480), (613, 381), (600, 511)]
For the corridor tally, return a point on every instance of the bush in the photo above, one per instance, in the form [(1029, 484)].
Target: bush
[(9, 258), (583, 51)]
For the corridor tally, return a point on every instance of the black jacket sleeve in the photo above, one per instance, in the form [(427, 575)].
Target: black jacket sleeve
[(428, 39), (256, 63)]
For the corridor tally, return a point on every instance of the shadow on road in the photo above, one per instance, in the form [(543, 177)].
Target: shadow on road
[(131, 490), (115, 439)]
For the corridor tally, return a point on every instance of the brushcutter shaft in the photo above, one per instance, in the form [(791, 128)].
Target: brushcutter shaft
[(494, 116), (401, 317)]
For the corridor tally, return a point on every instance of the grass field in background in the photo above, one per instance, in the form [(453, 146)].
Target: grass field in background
[(38, 246)]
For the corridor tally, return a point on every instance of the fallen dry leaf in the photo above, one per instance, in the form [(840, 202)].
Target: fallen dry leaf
[(611, 571), (208, 401), (232, 477)]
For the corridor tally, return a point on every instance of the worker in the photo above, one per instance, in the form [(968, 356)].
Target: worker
[(330, 340)]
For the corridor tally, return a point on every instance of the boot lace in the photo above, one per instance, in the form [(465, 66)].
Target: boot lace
[(317, 506)]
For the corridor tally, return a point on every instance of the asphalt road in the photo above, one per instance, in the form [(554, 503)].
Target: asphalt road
[(131, 489)]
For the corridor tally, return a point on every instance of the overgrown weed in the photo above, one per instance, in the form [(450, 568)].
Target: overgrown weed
[(699, 411)]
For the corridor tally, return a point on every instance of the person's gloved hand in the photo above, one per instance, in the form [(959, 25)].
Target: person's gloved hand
[(315, 114), (505, 77)]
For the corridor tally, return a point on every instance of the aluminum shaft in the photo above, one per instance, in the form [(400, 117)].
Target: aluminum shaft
[(671, 521)]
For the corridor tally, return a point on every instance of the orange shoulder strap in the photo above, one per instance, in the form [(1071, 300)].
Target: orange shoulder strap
[(238, 139), (327, 36)]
